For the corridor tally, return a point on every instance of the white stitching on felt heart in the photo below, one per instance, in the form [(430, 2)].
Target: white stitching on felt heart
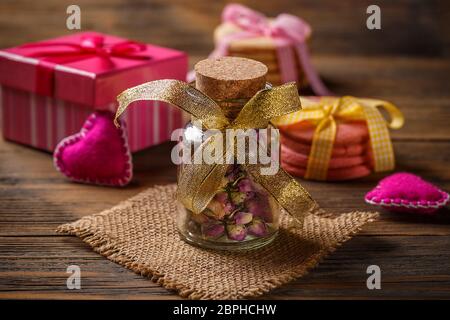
[(406, 203), (410, 204)]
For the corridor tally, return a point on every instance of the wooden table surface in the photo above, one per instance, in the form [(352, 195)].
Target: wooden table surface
[(406, 62)]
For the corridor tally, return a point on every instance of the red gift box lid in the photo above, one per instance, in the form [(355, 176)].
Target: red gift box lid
[(88, 68)]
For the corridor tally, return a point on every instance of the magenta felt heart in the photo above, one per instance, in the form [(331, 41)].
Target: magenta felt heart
[(98, 154), (407, 192)]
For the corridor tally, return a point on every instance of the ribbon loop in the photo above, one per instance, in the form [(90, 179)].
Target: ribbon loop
[(299, 31), (177, 93), (89, 46), (396, 117), (246, 18)]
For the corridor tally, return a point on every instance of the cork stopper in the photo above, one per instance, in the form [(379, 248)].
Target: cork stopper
[(228, 78)]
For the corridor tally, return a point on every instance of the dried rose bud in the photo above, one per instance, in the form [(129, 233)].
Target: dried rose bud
[(236, 232), (233, 172), (213, 230), (243, 217), (229, 207), (200, 218), (250, 194), (257, 228), (260, 207), (222, 197), (245, 185), (238, 197), (216, 208), (230, 169)]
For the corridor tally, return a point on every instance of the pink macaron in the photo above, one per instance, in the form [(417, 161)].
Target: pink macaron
[(347, 133), (341, 174), (338, 151), (301, 160)]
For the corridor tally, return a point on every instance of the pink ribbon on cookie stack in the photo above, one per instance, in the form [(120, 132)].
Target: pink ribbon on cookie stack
[(284, 28)]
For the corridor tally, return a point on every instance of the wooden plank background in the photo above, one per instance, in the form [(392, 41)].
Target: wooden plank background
[(407, 62)]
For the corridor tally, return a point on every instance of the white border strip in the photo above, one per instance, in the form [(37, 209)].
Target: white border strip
[(75, 71), (18, 58)]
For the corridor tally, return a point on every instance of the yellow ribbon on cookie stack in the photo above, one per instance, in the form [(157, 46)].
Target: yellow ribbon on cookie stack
[(327, 111)]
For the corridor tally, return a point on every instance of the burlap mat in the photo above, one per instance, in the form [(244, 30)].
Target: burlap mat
[(140, 234)]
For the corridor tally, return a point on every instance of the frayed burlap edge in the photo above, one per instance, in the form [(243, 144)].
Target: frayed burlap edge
[(107, 247)]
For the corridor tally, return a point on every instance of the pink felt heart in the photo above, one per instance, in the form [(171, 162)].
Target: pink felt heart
[(407, 192), (98, 154)]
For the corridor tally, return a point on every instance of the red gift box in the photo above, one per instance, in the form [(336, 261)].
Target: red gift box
[(49, 88)]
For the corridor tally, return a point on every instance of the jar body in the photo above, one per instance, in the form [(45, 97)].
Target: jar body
[(241, 216)]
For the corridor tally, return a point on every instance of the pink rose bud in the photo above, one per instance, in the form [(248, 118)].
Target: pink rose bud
[(236, 232), (243, 217), (259, 207), (216, 209), (257, 228), (222, 197), (229, 207), (199, 218), (245, 185), (251, 194), (238, 197), (213, 230), (233, 172)]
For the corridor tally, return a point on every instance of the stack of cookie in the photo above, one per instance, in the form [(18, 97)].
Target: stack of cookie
[(351, 156), (263, 49)]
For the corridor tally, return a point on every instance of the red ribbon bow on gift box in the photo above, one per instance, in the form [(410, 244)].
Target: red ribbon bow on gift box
[(89, 46)]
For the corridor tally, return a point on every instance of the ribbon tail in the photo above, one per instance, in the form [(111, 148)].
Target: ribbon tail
[(286, 191), (221, 48), (382, 149), (198, 180), (198, 184), (316, 83), (321, 150), (286, 61), (290, 195)]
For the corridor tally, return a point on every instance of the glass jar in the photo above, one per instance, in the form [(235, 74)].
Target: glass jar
[(241, 216), (226, 206)]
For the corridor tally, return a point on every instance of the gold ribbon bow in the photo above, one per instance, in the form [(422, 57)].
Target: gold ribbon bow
[(198, 183), (325, 112)]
